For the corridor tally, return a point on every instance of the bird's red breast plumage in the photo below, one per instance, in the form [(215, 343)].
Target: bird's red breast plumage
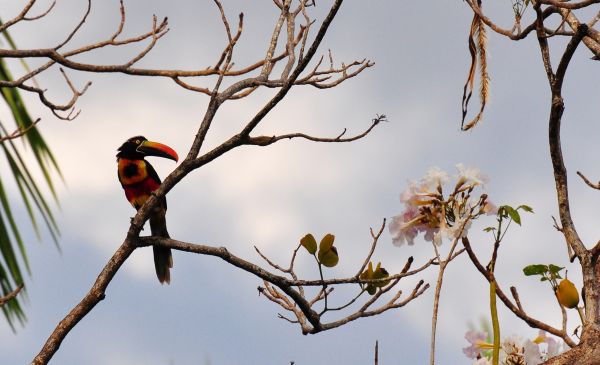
[(137, 180)]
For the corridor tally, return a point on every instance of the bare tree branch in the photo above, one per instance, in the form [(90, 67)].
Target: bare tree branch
[(560, 173), (302, 307), (19, 132), (22, 16), (569, 5), (265, 140)]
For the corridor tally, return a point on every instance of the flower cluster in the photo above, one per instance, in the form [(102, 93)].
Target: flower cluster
[(513, 350), (428, 211)]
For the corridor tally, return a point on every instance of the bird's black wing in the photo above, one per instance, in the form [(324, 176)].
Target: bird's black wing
[(154, 176)]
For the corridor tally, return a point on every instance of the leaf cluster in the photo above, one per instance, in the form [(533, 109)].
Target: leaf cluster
[(549, 272), (374, 274), (327, 254)]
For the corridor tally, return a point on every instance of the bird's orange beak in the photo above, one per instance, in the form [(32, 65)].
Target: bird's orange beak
[(150, 148)]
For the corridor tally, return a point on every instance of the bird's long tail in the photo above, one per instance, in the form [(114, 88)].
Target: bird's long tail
[(163, 260)]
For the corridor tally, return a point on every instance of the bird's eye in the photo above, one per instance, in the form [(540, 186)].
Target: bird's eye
[(137, 141)]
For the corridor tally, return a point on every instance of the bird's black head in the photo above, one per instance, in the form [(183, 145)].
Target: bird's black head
[(138, 147), (129, 148)]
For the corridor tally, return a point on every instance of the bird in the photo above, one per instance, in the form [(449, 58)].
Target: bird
[(139, 180)]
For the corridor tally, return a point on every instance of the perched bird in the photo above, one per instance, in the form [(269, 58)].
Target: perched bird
[(139, 179)]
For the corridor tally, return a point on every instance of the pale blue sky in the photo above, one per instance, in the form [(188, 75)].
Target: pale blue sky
[(270, 197)]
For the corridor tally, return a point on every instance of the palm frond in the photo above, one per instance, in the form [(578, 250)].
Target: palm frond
[(13, 255)]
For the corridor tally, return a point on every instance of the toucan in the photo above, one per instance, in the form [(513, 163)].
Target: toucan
[(139, 179)]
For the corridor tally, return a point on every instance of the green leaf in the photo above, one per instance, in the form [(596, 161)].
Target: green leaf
[(525, 208), (309, 243), (554, 269), (535, 270), (370, 274), (326, 242), (489, 229), (380, 273), (372, 290), (328, 255), (329, 258), (513, 214)]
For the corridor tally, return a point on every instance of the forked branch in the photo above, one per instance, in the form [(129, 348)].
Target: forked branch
[(290, 292)]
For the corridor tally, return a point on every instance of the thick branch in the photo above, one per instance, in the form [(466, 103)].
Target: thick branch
[(560, 171), (256, 270), (287, 285), (569, 5)]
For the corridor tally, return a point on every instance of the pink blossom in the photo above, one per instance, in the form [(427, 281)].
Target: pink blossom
[(490, 208), (403, 228), (409, 195), (476, 339), (426, 209)]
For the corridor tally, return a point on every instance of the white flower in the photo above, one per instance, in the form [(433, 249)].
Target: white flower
[(460, 228), (532, 354), (438, 236), (512, 350), (470, 176), (553, 347), (444, 232), (416, 195), (436, 177), (513, 341)]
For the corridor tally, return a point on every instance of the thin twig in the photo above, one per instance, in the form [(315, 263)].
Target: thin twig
[(13, 294), (588, 182), (19, 132)]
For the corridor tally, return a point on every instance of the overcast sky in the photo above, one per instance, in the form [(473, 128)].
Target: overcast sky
[(270, 197)]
